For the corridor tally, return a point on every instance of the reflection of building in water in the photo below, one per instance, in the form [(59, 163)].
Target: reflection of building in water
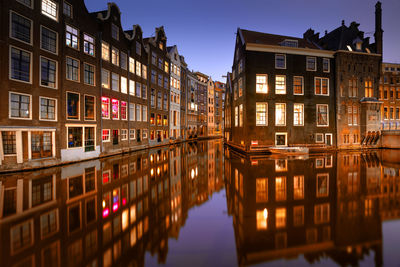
[(99, 213), (324, 206)]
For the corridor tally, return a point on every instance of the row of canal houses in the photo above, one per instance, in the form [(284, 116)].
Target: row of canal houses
[(76, 85)]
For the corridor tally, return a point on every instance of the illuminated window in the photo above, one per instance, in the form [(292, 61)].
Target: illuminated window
[(321, 86), (88, 45), (262, 83), (105, 51), (131, 65), (124, 111), (298, 110), (105, 107), (298, 215), (115, 109), (20, 106), (139, 69), (281, 165), (280, 84), (321, 213), (166, 66), (71, 37), (262, 219), (115, 56), (298, 87), (311, 63), (280, 61), (144, 71), (241, 115), (261, 190), (322, 115), (75, 137), (280, 114), (280, 217), (322, 185), (50, 9), (298, 187), (236, 116), (325, 64), (73, 105), (105, 78), (280, 188), (261, 114), (240, 87), (369, 91), (353, 89), (124, 85)]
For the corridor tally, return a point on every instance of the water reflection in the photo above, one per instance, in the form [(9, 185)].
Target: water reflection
[(105, 212), (324, 207)]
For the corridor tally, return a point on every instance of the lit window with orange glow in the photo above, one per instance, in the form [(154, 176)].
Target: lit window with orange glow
[(322, 185), (298, 216), (298, 187), (261, 190), (262, 83), (280, 218), (262, 219), (321, 213), (280, 188)]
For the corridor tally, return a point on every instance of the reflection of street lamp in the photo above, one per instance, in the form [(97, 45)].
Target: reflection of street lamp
[(151, 158), (158, 170), (152, 172), (192, 173), (196, 171)]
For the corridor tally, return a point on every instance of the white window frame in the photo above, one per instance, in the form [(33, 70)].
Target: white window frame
[(94, 44), (9, 106), (327, 115), (109, 78), (66, 106), (94, 107), (302, 114), (276, 66), (302, 84), (111, 82), (77, 35), (109, 135), (30, 65), (132, 132), (122, 89), (114, 49), (30, 32), (40, 73), (109, 108), (126, 110), (103, 44), (322, 138), (48, 14), (122, 135), (94, 74), (281, 133), (315, 86), (72, 9), (284, 76), (55, 111), (315, 64), (266, 113), (331, 135), (41, 30), (329, 65), (131, 65), (280, 125), (79, 69)]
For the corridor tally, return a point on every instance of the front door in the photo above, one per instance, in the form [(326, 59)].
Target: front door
[(41, 145), (328, 139), (280, 139)]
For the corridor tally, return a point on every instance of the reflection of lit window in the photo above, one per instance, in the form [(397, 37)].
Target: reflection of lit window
[(311, 235), (125, 220), (298, 187), (21, 236), (262, 219), (261, 190), (280, 217), (322, 185), (368, 207), (280, 240), (298, 216), (319, 163), (280, 188), (329, 161), (352, 183), (280, 165), (321, 213)]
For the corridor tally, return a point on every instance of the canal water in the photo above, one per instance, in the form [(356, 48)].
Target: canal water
[(200, 204)]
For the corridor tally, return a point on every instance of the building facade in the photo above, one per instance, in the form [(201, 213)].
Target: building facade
[(219, 115), (389, 95), (210, 107), (202, 86), (175, 95)]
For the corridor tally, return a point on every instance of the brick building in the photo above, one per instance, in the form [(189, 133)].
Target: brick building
[(389, 94)]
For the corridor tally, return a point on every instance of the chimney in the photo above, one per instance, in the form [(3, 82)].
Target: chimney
[(378, 28)]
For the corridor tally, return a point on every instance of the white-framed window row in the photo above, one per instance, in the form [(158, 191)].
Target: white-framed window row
[(48, 40), (17, 59), (27, 3), (48, 67), (19, 25), (47, 109), (280, 61), (50, 9), (77, 138), (20, 106)]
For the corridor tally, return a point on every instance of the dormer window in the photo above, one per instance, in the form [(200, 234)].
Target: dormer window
[(290, 43), (161, 46), (358, 46)]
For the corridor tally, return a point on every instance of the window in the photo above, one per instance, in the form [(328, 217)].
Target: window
[(321, 213), (160, 80), (27, 3), (298, 215), (280, 188), (298, 110), (48, 40), (138, 48), (124, 134), (71, 37), (48, 72), (298, 86), (280, 114), (144, 133), (9, 143), (165, 122), (298, 187), (166, 82), (322, 115), (152, 119), (90, 108), (144, 116), (262, 219), (72, 106), (153, 76), (322, 185), (115, 81), (115, 109), (240, 115), (48, 108), (105, 78), (159, 100), (261, 114), (311, 64), (105, 51), (138, 89), (132, 134), (165, 102), (131, 111), (20, 106), (160, 63), (114, 31), (131, 87), (236, 116), (325, 64), (352, 115), (21, 28), (353, 87), (124, 85), (280, 84), (144, 71), (74, 137), (88, 74), (106, 135), (144, 91), (115, 56), (138, 112), (67, 9), (105, 107), (280, 61), (152, 98), (139, 69), (131, 65), (50, 9), (240, 87), (88, 44), (124, 111), (22, 236), (166, 66), (321, 86), (72, 69), (319, 138), (124, 61), (20, 67), (369, 91)]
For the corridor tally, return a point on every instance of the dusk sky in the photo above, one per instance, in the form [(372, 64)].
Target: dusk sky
[(204, 31)]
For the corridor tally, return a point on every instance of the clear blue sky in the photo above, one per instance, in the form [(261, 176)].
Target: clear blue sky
[(204, 31)]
